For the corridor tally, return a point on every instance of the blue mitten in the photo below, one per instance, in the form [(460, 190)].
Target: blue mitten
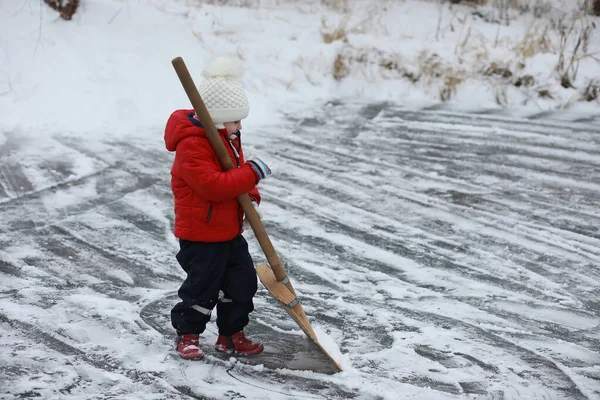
[(260, 168)]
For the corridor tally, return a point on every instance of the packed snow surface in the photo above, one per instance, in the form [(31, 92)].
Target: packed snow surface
[(440, 252)]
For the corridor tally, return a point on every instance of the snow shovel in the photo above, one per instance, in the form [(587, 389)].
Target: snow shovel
[(273, 276)]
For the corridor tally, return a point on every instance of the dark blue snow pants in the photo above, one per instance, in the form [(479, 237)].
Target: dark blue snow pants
[(220, 274)]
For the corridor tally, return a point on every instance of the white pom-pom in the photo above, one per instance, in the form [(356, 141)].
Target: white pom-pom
[(224, 67)]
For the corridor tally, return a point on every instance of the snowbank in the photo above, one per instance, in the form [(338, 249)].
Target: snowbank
[(108, 70)]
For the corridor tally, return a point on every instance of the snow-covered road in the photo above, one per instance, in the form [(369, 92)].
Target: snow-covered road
[(449, 256)]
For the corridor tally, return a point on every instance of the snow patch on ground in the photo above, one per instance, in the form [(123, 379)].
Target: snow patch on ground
[(328, 342)]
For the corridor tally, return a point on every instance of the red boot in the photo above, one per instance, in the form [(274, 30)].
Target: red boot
[(188, 347), (239, 344)]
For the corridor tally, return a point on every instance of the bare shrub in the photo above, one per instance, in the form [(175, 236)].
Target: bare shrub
[(66, 8), (574, 40), (525, 80), (545, 94), (592, 91)]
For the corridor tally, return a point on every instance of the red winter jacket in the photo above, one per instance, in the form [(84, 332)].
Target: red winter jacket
[(206, 207)]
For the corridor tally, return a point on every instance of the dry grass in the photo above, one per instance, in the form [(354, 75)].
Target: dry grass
[(340, 68), (502, 77), (536, 40), (434, 71), (592, 91), (370, 22), (538, 8), (505, 11), (497, 69), (567, 37), (332, 34), (371, 62), (524, 81), (449, 88), (337, 5)]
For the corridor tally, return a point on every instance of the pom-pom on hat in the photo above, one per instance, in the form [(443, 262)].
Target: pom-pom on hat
[(223, 93)]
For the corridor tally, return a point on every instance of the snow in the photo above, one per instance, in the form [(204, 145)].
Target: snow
[(445, 254), (108, 71)]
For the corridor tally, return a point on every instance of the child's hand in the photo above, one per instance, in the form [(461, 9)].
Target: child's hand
[(260, 168)]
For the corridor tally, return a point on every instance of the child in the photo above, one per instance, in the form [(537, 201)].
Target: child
[(208, 217)]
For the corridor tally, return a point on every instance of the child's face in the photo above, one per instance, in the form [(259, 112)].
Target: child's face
[(233, 127)]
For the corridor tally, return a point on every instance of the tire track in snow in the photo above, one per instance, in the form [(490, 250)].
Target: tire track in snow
[(365, 231), (457, 253), (396, 247), (470, 192), (321, 312), (550, 127), (426, 203), (350, 258), (424, 199), (101, 362), (441, 318), (333, 159)]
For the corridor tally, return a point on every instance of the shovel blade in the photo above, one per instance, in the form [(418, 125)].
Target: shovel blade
[(290, 303)]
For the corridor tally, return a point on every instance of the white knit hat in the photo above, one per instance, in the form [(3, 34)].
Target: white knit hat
[(223, 93)]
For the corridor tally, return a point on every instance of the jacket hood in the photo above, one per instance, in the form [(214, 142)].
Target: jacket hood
[(181, 124)]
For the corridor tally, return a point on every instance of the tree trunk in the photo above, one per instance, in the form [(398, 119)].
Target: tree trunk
[(67, 10), (596, 7)]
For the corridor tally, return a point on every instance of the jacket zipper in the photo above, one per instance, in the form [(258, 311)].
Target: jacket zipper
[(237, 161), (209, 213), (235, 153)]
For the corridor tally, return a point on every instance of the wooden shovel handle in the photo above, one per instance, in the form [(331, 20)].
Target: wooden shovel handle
[(226, 164)]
